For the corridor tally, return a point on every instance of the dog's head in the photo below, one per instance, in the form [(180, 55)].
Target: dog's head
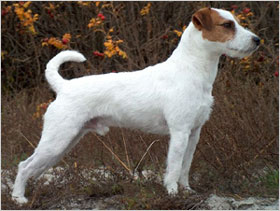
[(222, 32)]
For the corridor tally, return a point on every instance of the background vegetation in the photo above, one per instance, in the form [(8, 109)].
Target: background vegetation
[(238, 149)]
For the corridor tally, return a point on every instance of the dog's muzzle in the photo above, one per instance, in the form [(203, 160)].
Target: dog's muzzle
[(256, 41)]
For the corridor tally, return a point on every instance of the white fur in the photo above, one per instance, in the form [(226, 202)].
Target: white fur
[(173, 97)]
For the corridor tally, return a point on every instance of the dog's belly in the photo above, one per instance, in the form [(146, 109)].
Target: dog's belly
[(154, 124)]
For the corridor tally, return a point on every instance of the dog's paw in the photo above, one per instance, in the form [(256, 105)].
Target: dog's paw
[(172, 189), (20, 200), (189, 190)]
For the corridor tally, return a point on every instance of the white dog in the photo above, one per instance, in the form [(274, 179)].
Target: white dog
[(173, 97)]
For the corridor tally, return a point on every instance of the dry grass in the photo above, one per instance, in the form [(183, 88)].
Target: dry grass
[(238, 142)]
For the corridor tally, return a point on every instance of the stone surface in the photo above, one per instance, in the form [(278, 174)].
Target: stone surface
[(84, 202), (252, 203)]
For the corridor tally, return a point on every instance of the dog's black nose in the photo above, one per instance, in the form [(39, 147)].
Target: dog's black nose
[(257, 40)]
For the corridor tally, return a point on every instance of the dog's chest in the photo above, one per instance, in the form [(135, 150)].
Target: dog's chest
[(203, 110)]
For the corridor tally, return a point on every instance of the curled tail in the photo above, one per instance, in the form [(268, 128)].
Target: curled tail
[(54, 79)]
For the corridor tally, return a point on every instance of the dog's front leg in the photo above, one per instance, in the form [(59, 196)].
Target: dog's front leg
[(177, 147), (187, 161)]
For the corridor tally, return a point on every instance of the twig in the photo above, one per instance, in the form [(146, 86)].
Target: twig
[(146, 146), (260, 152), (126, 153), (121, 162), (145, 154), (36, 55), (217, 158), (26, 139)]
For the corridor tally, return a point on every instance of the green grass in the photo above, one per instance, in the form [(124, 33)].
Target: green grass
[(271, 180)]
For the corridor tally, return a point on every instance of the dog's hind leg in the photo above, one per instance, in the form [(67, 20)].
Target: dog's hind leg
[(56, 140)]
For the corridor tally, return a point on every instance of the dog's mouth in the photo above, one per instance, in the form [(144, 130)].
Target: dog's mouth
[(247, 51), (240, 53)]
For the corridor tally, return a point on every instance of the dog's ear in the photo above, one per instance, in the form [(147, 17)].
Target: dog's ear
[(202, 19)]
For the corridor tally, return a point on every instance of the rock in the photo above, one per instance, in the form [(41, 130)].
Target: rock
[(108, 201), (6, 181), (51, 174), (252, 203)]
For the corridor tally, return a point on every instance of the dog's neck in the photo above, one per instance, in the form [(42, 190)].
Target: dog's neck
[(190, 46)]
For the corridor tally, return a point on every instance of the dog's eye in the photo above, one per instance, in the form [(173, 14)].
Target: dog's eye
[(228, 25)]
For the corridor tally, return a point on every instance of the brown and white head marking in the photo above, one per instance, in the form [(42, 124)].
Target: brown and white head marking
[(220, 26)]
